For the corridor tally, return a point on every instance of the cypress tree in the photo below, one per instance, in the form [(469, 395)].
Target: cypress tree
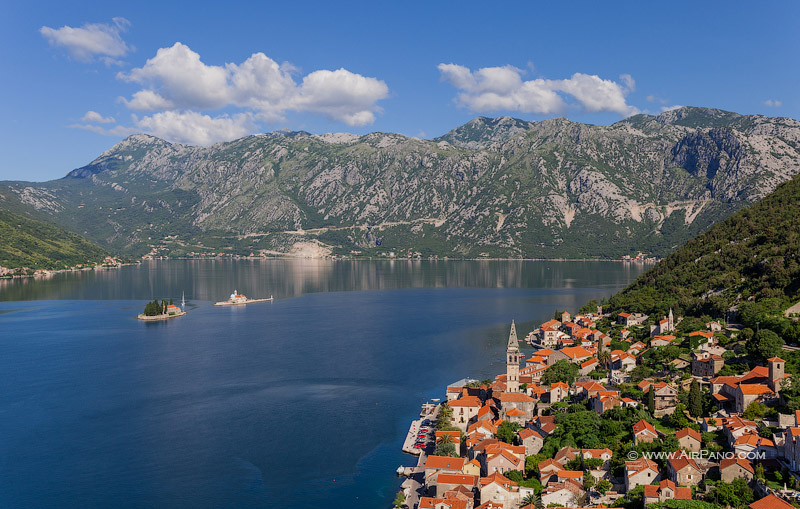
[(651, 400), (695, 400)]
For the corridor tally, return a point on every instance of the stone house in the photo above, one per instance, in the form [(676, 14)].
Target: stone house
[(643, 431), (732, 468), (499, 489), (665, 490), (465, 410), (531, 440), (682, 469), (641, 471), (559, 391), (562, 493), (689, 439), (705, 364), (548, 470), (446, 482)]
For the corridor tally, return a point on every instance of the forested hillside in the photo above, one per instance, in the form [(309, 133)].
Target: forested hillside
[(749, 263)]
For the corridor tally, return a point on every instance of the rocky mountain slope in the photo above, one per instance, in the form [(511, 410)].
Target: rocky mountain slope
[(493, 187)]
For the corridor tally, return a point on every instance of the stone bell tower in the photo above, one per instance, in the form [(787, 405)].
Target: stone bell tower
[(512, 361)]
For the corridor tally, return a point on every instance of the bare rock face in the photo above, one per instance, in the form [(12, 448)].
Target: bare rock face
[(499, 187)]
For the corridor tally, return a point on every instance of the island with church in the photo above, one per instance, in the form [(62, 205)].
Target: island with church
[(162, 310), (614, 410)]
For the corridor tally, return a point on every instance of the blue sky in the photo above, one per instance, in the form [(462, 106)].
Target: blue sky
[(79, 77)]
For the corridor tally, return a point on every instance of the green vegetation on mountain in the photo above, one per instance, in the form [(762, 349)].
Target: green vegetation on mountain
[(493, 187), (27, 242), (749, 264)]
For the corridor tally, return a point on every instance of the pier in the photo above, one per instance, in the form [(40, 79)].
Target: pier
[(412, 486)]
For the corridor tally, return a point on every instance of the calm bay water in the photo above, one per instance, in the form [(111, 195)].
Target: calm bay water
[(302, 402)]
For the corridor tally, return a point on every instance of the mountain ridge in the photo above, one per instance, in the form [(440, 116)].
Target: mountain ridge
[(492, 187)]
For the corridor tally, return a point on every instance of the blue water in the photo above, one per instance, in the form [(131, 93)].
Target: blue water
[(302, 402)]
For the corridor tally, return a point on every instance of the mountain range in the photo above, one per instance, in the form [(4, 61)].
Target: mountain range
[(499, 187)]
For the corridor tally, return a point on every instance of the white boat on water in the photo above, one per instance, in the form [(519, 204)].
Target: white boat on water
[(237, 299)]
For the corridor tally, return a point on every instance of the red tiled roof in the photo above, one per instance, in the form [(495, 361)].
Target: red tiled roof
[(447, 478), (527, 433), (514, 397), (550, 463), (444, 462), (499, 479), (771, 502), (680, 460), (755, 389), (689, 432), (466, 401), (636, 466), (643, 426), (728, 462)]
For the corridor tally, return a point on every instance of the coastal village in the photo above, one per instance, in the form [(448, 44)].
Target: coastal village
[(613, 410)]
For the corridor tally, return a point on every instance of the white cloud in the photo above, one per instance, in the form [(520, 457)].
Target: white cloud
[(669, 108), (176, 78), (113, 131), (773, 103), (341, 95), (147, 100), (502, 88), (656, 99), (94, 117), (596, 94), (194, 128), (101, 40), (628, 81)]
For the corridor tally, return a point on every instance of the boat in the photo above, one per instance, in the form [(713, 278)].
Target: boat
[(237, 299)]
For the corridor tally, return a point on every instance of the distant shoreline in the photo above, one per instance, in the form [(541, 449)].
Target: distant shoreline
[(387, 259)]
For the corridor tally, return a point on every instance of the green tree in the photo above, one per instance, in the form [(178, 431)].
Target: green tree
[(603, 486), (561, 371), (651, 401), (678, 418), (588, 480), (754, 411), (399, 499), (507, 432), (764, 344), (695, 400), (640, 372), (446, 449), (589, 307)]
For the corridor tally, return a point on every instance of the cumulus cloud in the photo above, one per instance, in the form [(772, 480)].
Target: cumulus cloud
[(176, 78), (108, 131), (196, 128), (90, 41), (669, 108), (96, 118), (502, 88), (773, 103)]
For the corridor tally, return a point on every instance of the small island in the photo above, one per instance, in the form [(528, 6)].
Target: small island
[(236, 299), (154, 311)]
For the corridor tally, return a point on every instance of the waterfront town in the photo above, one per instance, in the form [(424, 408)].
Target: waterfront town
[(614, 410)]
